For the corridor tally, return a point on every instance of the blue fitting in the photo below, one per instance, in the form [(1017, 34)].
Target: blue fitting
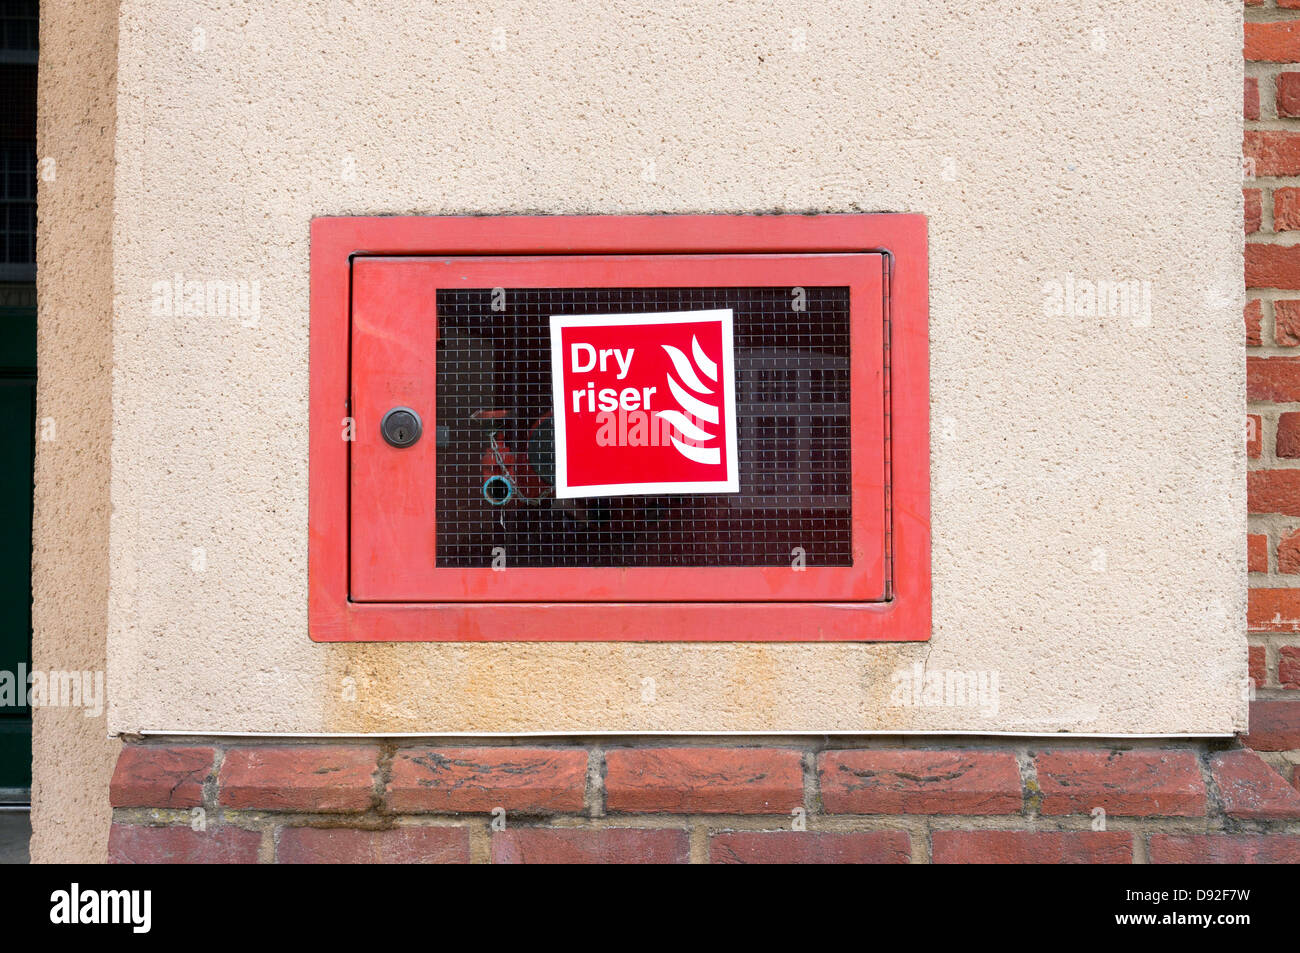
[(498, 490)]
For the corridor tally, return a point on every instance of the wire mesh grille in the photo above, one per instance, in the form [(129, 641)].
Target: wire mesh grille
[(19, 26), (18, 42), (792, 410)]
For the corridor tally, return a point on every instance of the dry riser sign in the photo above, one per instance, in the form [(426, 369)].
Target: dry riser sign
[(644, 403)]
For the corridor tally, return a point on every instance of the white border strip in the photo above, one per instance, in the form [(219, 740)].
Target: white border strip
[(796, 733)]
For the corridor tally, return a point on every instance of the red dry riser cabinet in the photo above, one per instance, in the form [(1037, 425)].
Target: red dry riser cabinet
[(373, 572)]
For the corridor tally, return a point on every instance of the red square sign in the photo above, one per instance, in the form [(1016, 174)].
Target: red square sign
[(644, 403)]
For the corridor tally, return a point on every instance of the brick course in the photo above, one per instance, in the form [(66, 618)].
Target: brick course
[(809, 847), (1271, 199), (1142, 783), (299, 778), (610, 845), (401, 845), (129, 844), (703, 780), (805, 801), (920, 782), (167, 777), (1032, 847), (530, 780)]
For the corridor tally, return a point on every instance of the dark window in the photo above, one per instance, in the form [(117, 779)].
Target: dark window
[(792, 408), (18, 36)]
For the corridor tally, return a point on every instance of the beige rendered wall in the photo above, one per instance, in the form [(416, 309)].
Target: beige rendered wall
[(72, 753), (1087, 472)]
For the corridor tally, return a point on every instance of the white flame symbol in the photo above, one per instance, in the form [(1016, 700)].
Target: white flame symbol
[(695, 407)]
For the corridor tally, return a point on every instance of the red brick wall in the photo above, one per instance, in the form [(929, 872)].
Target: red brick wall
[(733, 803), (1272, 224), (747, 801)]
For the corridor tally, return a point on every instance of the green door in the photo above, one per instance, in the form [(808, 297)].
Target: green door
[(19, 50), (17, 452)]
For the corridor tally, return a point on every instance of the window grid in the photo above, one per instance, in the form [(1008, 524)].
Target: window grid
[(792, 392)]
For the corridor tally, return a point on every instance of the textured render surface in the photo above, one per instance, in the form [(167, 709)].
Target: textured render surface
[(1087, 480), (72, 754)]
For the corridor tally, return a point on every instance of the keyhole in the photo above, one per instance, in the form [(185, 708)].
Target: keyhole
[(401, 427)]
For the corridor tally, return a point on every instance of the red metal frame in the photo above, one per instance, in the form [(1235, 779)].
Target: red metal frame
[(394, 338), (648, 246)]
